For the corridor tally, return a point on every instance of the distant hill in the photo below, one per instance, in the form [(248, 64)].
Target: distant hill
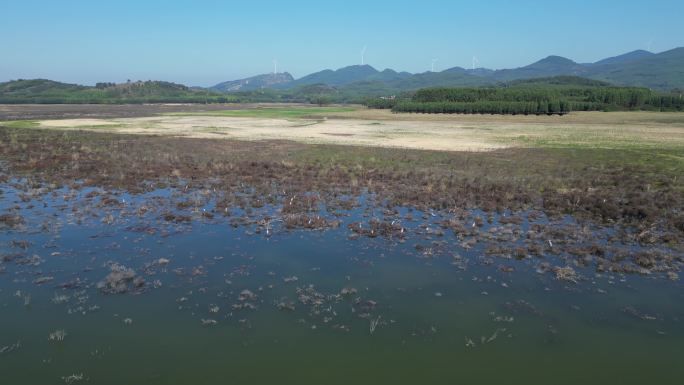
[(388, 75), (48, 91), (367, 81), (625, 58), (550, 66), (663, 72), (254, 82), (340, 77), (34, 87), (449, 78)]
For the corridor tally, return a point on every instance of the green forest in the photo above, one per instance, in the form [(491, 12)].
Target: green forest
[(539, 97)]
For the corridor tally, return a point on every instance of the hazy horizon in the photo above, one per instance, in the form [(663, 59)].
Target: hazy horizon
[(204, 44)]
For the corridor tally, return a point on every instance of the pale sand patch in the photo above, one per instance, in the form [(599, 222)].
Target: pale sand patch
[(69, 123), (405, 134), (461, 133)]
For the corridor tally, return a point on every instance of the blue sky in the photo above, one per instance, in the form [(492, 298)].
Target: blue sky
[(205, 42)]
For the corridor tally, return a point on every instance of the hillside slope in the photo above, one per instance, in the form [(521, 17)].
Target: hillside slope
[(48, 91), (254, 82)]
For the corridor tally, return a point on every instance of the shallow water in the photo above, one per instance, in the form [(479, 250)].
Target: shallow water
[(450, 316)]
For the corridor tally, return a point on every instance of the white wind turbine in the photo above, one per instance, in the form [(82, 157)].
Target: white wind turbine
[(476, 63), (363, 55), (433, 64), (275, 67)]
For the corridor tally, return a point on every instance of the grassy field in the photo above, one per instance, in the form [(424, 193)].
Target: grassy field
[(655, 134), (275, 112), (645, 138)]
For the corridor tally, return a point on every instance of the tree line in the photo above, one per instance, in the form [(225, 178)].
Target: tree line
[(525, 100)]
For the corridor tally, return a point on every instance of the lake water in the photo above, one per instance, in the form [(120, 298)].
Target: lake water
[(225, 304)]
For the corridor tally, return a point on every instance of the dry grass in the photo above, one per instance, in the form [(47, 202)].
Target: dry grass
[(379, 128)]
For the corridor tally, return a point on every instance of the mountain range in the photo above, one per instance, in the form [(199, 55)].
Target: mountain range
[(663, 72)]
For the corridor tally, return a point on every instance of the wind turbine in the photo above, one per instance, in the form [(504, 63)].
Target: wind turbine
[(433, 64), (475, 63), (275, 67), (363, 54)]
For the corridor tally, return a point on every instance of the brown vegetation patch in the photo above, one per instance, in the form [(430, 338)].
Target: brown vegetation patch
[(309, 184)]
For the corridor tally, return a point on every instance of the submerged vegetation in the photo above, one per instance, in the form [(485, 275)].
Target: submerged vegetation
[(627, 188)]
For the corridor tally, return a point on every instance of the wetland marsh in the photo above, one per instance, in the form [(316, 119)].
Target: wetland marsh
[(134, 250)]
